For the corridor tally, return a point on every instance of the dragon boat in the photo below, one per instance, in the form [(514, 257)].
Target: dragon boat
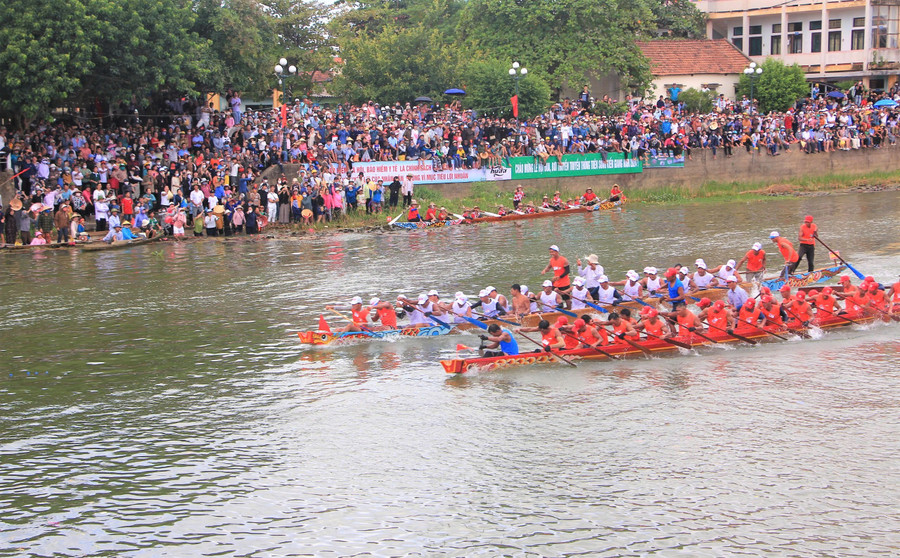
[(605, 206), (797, 280), (428, 224), (328, 338)]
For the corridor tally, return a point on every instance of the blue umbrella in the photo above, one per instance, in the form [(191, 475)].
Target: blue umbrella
[(836, 94), (454, 92), (886, 103)]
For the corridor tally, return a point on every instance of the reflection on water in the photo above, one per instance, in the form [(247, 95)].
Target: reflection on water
[(159, 404)]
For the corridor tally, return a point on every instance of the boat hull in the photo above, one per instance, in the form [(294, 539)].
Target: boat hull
[(427, 224), (605, 206), (325, 338), (804, 279)]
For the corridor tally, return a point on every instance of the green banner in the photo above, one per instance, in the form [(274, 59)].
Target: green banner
[(587, 164)]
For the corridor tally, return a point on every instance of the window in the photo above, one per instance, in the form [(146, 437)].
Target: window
[(736, 40), (776, 28), (834, 24), (754, 47), (879, 32), (815, 25), (795, 37), (755, 30), (858, 34), (834, 41), (737, 31), (738, 44), (815, 38), (775, 46)]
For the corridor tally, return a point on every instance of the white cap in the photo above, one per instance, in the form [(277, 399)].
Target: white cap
[(684, 270), (400, 297), (524, 290), (433, 292), (490, 288), (554, 247), (700, 263), (459, 294), (632, 274), (579, 281), (774, 234), (375, 300), (484, 293), (423, 299), (547, 283), (731, 263), (602, 279), (731, 278), (757, 246), (461, 297), (651, 270), (356, 300)]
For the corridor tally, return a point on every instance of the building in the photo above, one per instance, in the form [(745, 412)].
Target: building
[(713, 64), (832, 40)]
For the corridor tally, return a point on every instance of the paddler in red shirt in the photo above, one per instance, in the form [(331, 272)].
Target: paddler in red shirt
[(755, 258), (586, 334), (808, 234), (360, 316), (615, 193), (653, 325), (893, 294), (412, 215), (551, 338), (431, 213), (799, 312), (687, 321), (718, 316), (787, 251), (589, 198), (560, 267), (384, 313)]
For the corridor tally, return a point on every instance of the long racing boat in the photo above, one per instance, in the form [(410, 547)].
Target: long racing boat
[(804, 279), (605, 206), (327, 338)]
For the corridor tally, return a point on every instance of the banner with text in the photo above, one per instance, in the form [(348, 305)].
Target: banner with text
[(665, 163), (586, 164), (423, 172)]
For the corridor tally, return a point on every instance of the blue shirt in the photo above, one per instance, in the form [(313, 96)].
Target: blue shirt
[(510, 347), (673, 288)]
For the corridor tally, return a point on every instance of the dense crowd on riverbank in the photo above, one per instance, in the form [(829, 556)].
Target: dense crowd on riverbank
[(198, 159)]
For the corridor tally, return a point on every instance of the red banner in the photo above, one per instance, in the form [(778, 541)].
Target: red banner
[(284, 116), (515, 103)]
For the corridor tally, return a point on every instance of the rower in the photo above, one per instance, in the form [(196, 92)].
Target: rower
[(751, 314), (579, 294), (586, 334), (434, 304), (550, 299), (791, 258), (625, 313), (824, 302), (770, 311), (876, 296), (545, 203), (737, 296), (550, 336), (755, 259), (683, 273), (498, 342), (799, 310), (562, 324), (488, 305), (687, 321), (412, 215), (360, 315), (460, 307), (431, 212), (521, 304), (615, 193), (502, 303), (606, 293), (653, 325), (893, 294), (591, 273), (701, 279), (652, 283), (416, 310), (384, 312), (675, 289), (718, 316), (631, 287), (501, 211), (621, 328), (556, 203), (725, 271), (535, 307), (589, 198), (590, 322), (560, 267)]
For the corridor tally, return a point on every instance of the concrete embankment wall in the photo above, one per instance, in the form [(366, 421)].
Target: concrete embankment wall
[(742, 167)]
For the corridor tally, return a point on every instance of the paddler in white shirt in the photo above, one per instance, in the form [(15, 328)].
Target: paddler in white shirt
[(631, 288), (591, 273), (579, 294), (549, 299), (652, 282), (460, 307), (701, 279), (725, 271), (417, 309), (606, 293), (502, 303), (489, 306)]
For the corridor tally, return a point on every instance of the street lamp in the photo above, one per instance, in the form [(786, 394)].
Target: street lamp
[(280, 72), (753, 72), (517, 73)]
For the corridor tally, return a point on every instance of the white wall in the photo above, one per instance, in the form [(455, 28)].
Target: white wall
[(695, 81)]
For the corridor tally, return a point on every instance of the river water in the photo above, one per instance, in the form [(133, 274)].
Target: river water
[(155, 402)]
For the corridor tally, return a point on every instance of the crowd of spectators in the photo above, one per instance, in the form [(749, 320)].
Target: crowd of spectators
[(195, 157)]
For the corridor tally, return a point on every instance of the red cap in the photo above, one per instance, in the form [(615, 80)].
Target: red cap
[(766, 299), (813, 292), (785, 288), (704, 302), (579, 323), (719, 305), (750, 304), (652, 312), (562, 320), (873, 286), (808, 219), (671, 272), (765, 290), (827, 291), (645, 310), (869, 279), (845, 278), (800, 295)]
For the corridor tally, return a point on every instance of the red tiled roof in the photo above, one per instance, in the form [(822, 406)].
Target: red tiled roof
[(703, 56)]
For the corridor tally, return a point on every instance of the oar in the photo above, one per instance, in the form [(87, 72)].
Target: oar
[(710, 339), (598, 349), (845, 262), (458, 216), (441, 323), (669, 340), (764, 330), (497, 319), (394, 220), (541, 345), (594, 306), (557, 309), (643, 349), (802, 334), (733, 334), (363, 329), (877, 309), (489, 214)]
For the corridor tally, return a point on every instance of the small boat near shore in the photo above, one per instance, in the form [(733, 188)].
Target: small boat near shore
[(100, 246)]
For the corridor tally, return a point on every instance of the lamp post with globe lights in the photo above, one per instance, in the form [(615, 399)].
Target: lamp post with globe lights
[(753, 72), (517, 73), (280, 69)]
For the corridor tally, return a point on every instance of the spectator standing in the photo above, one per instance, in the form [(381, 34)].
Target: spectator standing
[(406, 188)]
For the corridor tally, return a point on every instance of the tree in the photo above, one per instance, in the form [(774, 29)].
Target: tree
[(778, 87), (395, 65), (697, 101), (680, 18), (489, 89), (560, 39), (301, 37), (37, 74)]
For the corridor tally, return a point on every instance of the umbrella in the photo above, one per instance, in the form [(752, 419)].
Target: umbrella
[(886, 103), (423, 100), (454, 92), (836, 94)]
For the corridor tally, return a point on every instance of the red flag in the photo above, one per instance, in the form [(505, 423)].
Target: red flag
[(515, 103), (284, 116), (323, 325), (462, 347)]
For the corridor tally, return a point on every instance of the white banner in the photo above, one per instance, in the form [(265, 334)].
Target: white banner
[(498, 173), (422, 172)]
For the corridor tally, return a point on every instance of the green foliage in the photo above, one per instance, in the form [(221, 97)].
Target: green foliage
[(395, 64), (844, 85), (609, 109), (558, 38), (489, 89), (680, 17), (778, 87), (697, 101)]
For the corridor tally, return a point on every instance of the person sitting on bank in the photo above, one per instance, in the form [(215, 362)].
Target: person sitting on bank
[(498, 342), (114, 235)]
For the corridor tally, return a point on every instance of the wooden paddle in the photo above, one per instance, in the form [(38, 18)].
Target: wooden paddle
[(842, 260), (695, 332), (733, 334), (598, 349), (541, 345), (877, 309), (669, 340), (363, 329), (496, 318), (557, 309), (394, 220), (841, 317)]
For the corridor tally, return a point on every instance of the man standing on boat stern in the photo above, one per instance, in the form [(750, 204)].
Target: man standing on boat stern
[(560, 267), (808, 234), (755, 259)]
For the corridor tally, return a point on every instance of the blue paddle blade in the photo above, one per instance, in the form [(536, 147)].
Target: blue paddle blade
[(855, 271), (480, 324)]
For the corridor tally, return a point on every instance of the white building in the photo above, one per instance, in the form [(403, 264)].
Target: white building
[(714, 65), (832, 40)]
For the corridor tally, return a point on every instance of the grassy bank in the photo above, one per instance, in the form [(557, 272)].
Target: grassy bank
[(488, 195)]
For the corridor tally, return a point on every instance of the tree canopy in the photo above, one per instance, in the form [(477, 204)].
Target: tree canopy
[(778, 86)]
